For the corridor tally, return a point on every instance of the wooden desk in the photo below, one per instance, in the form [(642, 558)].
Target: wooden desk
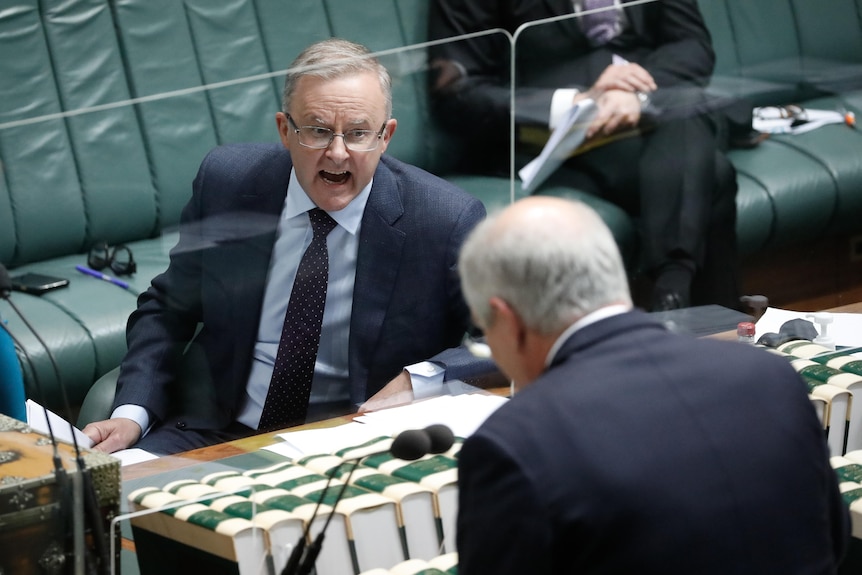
[(249, 444), (216, 452)]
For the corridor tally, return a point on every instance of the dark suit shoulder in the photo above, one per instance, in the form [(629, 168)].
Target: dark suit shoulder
[(236, 159), (417, 184), (252, 171)]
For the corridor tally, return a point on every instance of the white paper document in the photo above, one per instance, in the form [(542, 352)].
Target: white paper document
[(463, 414), (38, 418), (62, 430), (564, 140)]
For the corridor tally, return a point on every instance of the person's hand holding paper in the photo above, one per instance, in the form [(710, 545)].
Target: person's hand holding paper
[(564, 140)]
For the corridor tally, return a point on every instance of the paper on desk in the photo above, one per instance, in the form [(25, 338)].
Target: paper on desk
[(564, 140), (38, 418), (325, 440), (63, 431), (133, 455), (845, 329), (462, 413)]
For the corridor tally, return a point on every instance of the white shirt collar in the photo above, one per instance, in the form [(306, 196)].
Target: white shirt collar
[(349, 218), (590, 318)]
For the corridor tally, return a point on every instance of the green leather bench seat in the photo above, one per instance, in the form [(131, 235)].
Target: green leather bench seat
[(122, 173)]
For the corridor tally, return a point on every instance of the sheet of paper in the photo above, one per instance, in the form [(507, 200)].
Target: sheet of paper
[(38, 419), (462, 413), (563, 141), (845, 329), (133, 455)]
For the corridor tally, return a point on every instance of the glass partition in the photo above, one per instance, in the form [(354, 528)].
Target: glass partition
[(103, 127)]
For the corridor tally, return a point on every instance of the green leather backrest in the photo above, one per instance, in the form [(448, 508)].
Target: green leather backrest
[(228, 47), (831, 29), (717, 20), (286, 29), (764, 32), (110, 158), (159, 56), (39, 164)]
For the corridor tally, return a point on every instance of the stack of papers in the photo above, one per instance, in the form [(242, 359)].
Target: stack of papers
[(462, 413), (564, 140)]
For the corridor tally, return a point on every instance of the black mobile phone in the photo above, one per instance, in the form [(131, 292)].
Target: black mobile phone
[(38, 284)]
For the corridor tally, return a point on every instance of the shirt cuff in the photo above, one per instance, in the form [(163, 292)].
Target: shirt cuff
[(426, 378), (561, 103), (136, 413)]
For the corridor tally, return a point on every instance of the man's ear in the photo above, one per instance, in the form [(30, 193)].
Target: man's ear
[(283, 127), (510, 322)]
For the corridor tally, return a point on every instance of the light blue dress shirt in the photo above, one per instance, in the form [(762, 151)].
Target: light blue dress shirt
[(330, 381)]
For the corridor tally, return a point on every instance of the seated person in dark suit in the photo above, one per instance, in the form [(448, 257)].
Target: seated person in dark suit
[(322, 274), (645, 66), (628, 448)]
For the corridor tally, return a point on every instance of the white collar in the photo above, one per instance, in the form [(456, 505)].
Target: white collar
[(349, 217), (590, 318)]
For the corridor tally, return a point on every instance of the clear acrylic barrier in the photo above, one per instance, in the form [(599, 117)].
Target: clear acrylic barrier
[(393, 510), (107, 151)]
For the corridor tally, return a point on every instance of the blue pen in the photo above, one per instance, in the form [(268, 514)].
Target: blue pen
[(101, 276)]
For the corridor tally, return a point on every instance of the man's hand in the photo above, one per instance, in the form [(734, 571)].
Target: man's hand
[(617, 111), (399, 391), (626, 77), (445, 73), (113, 435)]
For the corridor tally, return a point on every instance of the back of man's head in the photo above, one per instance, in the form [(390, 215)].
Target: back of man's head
[(550, 259)]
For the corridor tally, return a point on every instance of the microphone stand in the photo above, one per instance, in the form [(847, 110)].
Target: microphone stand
[(90, 501), (408, 445)]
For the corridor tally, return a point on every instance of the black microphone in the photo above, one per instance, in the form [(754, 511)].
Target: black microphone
[(441, 436), (91, 503), (407, 445)]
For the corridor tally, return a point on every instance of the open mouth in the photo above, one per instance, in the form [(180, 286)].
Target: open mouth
[(334, 177)]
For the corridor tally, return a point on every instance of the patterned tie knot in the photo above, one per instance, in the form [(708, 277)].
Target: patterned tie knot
[(321, 222), (601, 27)]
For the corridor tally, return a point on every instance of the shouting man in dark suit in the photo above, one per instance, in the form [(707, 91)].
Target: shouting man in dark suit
[(627, 448), (293, 325), (645, 66)]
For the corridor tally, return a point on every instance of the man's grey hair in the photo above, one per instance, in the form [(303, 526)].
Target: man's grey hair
[(551, 275), (335, 58)]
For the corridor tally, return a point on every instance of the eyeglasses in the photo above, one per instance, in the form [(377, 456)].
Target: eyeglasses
[(118, 258), (318, 138)]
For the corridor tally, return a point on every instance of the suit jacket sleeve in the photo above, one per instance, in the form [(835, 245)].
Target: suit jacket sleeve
[(211, 292), (164, 322)]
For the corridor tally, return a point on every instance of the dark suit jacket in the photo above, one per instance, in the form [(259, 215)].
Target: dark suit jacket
[(640, 451), (668, 38), (407, 303)]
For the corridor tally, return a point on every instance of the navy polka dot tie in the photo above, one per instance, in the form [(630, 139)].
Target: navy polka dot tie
[(287, 399)]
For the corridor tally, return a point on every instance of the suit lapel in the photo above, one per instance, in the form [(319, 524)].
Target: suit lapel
[(378, 262), (252, 254)]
